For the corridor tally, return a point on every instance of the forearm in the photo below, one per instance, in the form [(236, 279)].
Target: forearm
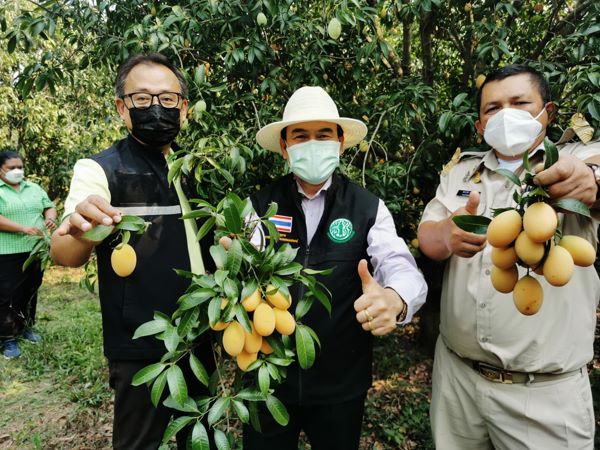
[(431, 240), (9, 226), (69, 251)]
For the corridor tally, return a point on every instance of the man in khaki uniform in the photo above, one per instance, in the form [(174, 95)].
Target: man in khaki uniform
[(501, 379)]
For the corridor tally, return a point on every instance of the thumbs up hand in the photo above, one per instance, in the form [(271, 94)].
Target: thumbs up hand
[(377, 309), (458, 241)]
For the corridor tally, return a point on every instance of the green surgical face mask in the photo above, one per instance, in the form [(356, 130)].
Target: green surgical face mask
[(314, 161)]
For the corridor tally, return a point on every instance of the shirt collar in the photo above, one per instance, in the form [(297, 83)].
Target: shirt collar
[(323, 189), (22, 184)]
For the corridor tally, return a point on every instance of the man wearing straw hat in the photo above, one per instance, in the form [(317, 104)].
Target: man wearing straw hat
[(333, 223)]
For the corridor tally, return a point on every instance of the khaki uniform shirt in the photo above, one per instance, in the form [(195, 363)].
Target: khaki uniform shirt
[(482, 324)]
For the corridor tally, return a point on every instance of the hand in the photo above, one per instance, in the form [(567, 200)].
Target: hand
[(458, 241), (50, 224), (93, 210), (32, 231), (377, 308), (569, 177)]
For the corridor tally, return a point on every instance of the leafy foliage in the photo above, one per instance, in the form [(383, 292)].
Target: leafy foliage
[(217, 298)]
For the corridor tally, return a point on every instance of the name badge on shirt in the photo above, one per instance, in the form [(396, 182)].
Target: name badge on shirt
[(463, 193)]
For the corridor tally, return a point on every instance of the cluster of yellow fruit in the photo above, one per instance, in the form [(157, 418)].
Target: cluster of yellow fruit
[(529, 242), (267, 316)]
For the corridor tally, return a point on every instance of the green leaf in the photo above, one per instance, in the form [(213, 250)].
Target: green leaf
[(233, 221), (221, 440), (219, 255), (313, 334), (459, 99), (234, 258), (198, 369), (206, 227), (472, 224), (174, 169), (171, 338), (98, 233), (214, 311), (271, 211), (200, 439), (242, 317), (510, 175), (189, 406), (290, 269), (572, 205), (277, 410), (176, 426), (551, 153), (150, 328), (147, 373), (195, 298), (264, 379), (251, 394), (305, 347), (303, 306), (218, 409), (177, 385), (443, 120), (158, 388), (241, 411)]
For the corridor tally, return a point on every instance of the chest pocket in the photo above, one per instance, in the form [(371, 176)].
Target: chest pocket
[(137, 189), (458, 196)]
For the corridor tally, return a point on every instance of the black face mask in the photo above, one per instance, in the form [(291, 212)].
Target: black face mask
[(156, 126)]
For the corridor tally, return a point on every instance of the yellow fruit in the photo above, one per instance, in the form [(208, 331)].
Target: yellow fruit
[(233, 338), (528, 295), (504, 257), (468, 7), (558, 267), (265, 347), (123, 260), (252, 301), (540, 222), (528, 251), (253, 341), (415, 243), (276, 298), (334, 28), (363, 146), (244, 359), (284, 322), (264, 320), (504, 228), (219, 326), (582, 251), (479, 80), (539, 7), (504, 280)]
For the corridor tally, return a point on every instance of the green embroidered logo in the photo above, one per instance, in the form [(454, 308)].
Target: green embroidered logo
[(340, 231)]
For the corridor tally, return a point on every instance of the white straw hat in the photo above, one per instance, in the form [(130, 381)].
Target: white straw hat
[(310, 103)]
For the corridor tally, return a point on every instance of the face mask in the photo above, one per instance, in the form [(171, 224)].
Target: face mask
[(512, 132), (314, 161), (14, 176), (156, 126)]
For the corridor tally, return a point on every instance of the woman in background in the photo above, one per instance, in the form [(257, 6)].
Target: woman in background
[(25, 210)]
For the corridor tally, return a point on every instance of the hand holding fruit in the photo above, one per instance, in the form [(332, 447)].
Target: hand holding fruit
[(569, 177), (458, 241), (377, 308)]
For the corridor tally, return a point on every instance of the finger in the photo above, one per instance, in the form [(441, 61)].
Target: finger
[(92, 214), (473, 202), (104, 206), (363, 316), (382, 331), (361, 303), (78, 223), (366, 278), (64, 228), (225, 242)]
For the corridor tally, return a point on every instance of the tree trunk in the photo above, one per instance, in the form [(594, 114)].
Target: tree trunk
[(426, 27)]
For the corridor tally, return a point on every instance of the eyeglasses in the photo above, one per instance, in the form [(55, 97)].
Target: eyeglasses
[(144, 100)]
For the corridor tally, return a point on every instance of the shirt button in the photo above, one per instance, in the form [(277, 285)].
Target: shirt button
[(482, 305), (484, 339), (487, 271)]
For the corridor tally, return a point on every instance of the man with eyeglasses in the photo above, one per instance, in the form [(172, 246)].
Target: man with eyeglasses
[(131, 178)]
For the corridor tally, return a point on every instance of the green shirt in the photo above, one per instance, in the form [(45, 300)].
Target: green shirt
[(26, 207)]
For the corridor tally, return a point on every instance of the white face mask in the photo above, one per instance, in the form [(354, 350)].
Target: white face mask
[(314, 161), (512, 132), (14, 176)]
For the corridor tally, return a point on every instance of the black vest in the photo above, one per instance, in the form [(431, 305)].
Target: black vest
[(137, 176), (342, 369)]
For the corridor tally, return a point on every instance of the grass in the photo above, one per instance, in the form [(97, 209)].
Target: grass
[(56, 396)]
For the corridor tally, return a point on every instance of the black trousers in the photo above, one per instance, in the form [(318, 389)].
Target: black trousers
[(18, 294), (328, 427), (137, 424)]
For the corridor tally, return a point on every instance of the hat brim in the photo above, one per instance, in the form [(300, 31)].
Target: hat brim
[(269, 135)]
